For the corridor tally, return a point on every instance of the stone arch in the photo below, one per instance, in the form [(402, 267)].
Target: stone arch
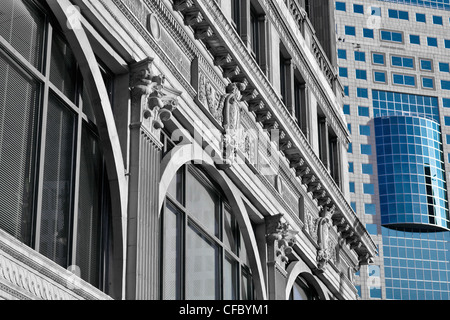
[(183, 154), (79, 42), (299, 268)]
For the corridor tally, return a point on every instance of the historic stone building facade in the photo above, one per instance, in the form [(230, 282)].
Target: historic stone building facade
[(173, 149)]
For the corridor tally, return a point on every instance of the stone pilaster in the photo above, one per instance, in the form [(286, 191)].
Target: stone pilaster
[(151, 105)]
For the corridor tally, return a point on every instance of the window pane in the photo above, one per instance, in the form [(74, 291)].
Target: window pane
[(202, 203), (176, 186), (89, 209), (202, 272), (23, 27), (172, 254), (230, 279), (58, 182), (19, 100), (63, 67), (246, 286), (230, 231)]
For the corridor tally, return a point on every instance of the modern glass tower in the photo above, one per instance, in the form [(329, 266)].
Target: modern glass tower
[(393, 59)]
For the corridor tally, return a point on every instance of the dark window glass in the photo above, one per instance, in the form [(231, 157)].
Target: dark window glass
[(63, 68), (19, 101), (23, 27), (90, 208), (58, 183)]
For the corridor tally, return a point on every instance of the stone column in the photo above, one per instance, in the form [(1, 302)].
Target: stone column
[(151, 105), (279, 240)]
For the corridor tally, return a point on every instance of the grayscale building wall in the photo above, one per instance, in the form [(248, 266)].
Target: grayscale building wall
[(172, 149), (393, 62)]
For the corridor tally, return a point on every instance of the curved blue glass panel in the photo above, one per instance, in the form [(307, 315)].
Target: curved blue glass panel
[(410, 160)]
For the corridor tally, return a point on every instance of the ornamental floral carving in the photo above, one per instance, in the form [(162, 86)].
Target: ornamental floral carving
[(231, 121), (281, 237), (326, 251), (210, 98), (151, 98)]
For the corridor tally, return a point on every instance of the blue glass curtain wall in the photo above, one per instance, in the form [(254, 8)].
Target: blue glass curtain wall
[(411, 172)]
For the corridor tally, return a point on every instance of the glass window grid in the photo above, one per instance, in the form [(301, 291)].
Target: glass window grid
[(447, 43), (415, 264), (401, 79), (403, 146), (403, 62), (391, 36), (236, 253), (395, 103), (71, 101), (398, 14)]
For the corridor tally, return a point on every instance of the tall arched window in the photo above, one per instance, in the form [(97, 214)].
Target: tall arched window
[(53, 184), (204, 256)]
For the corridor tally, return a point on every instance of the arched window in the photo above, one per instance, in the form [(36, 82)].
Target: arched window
[(204, 256), (53, 184), (302, 291)]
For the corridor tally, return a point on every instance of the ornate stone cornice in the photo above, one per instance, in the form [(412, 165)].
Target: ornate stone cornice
[(26, 274)]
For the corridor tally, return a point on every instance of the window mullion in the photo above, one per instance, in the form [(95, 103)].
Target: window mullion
[(74, 230), (43, 134)]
